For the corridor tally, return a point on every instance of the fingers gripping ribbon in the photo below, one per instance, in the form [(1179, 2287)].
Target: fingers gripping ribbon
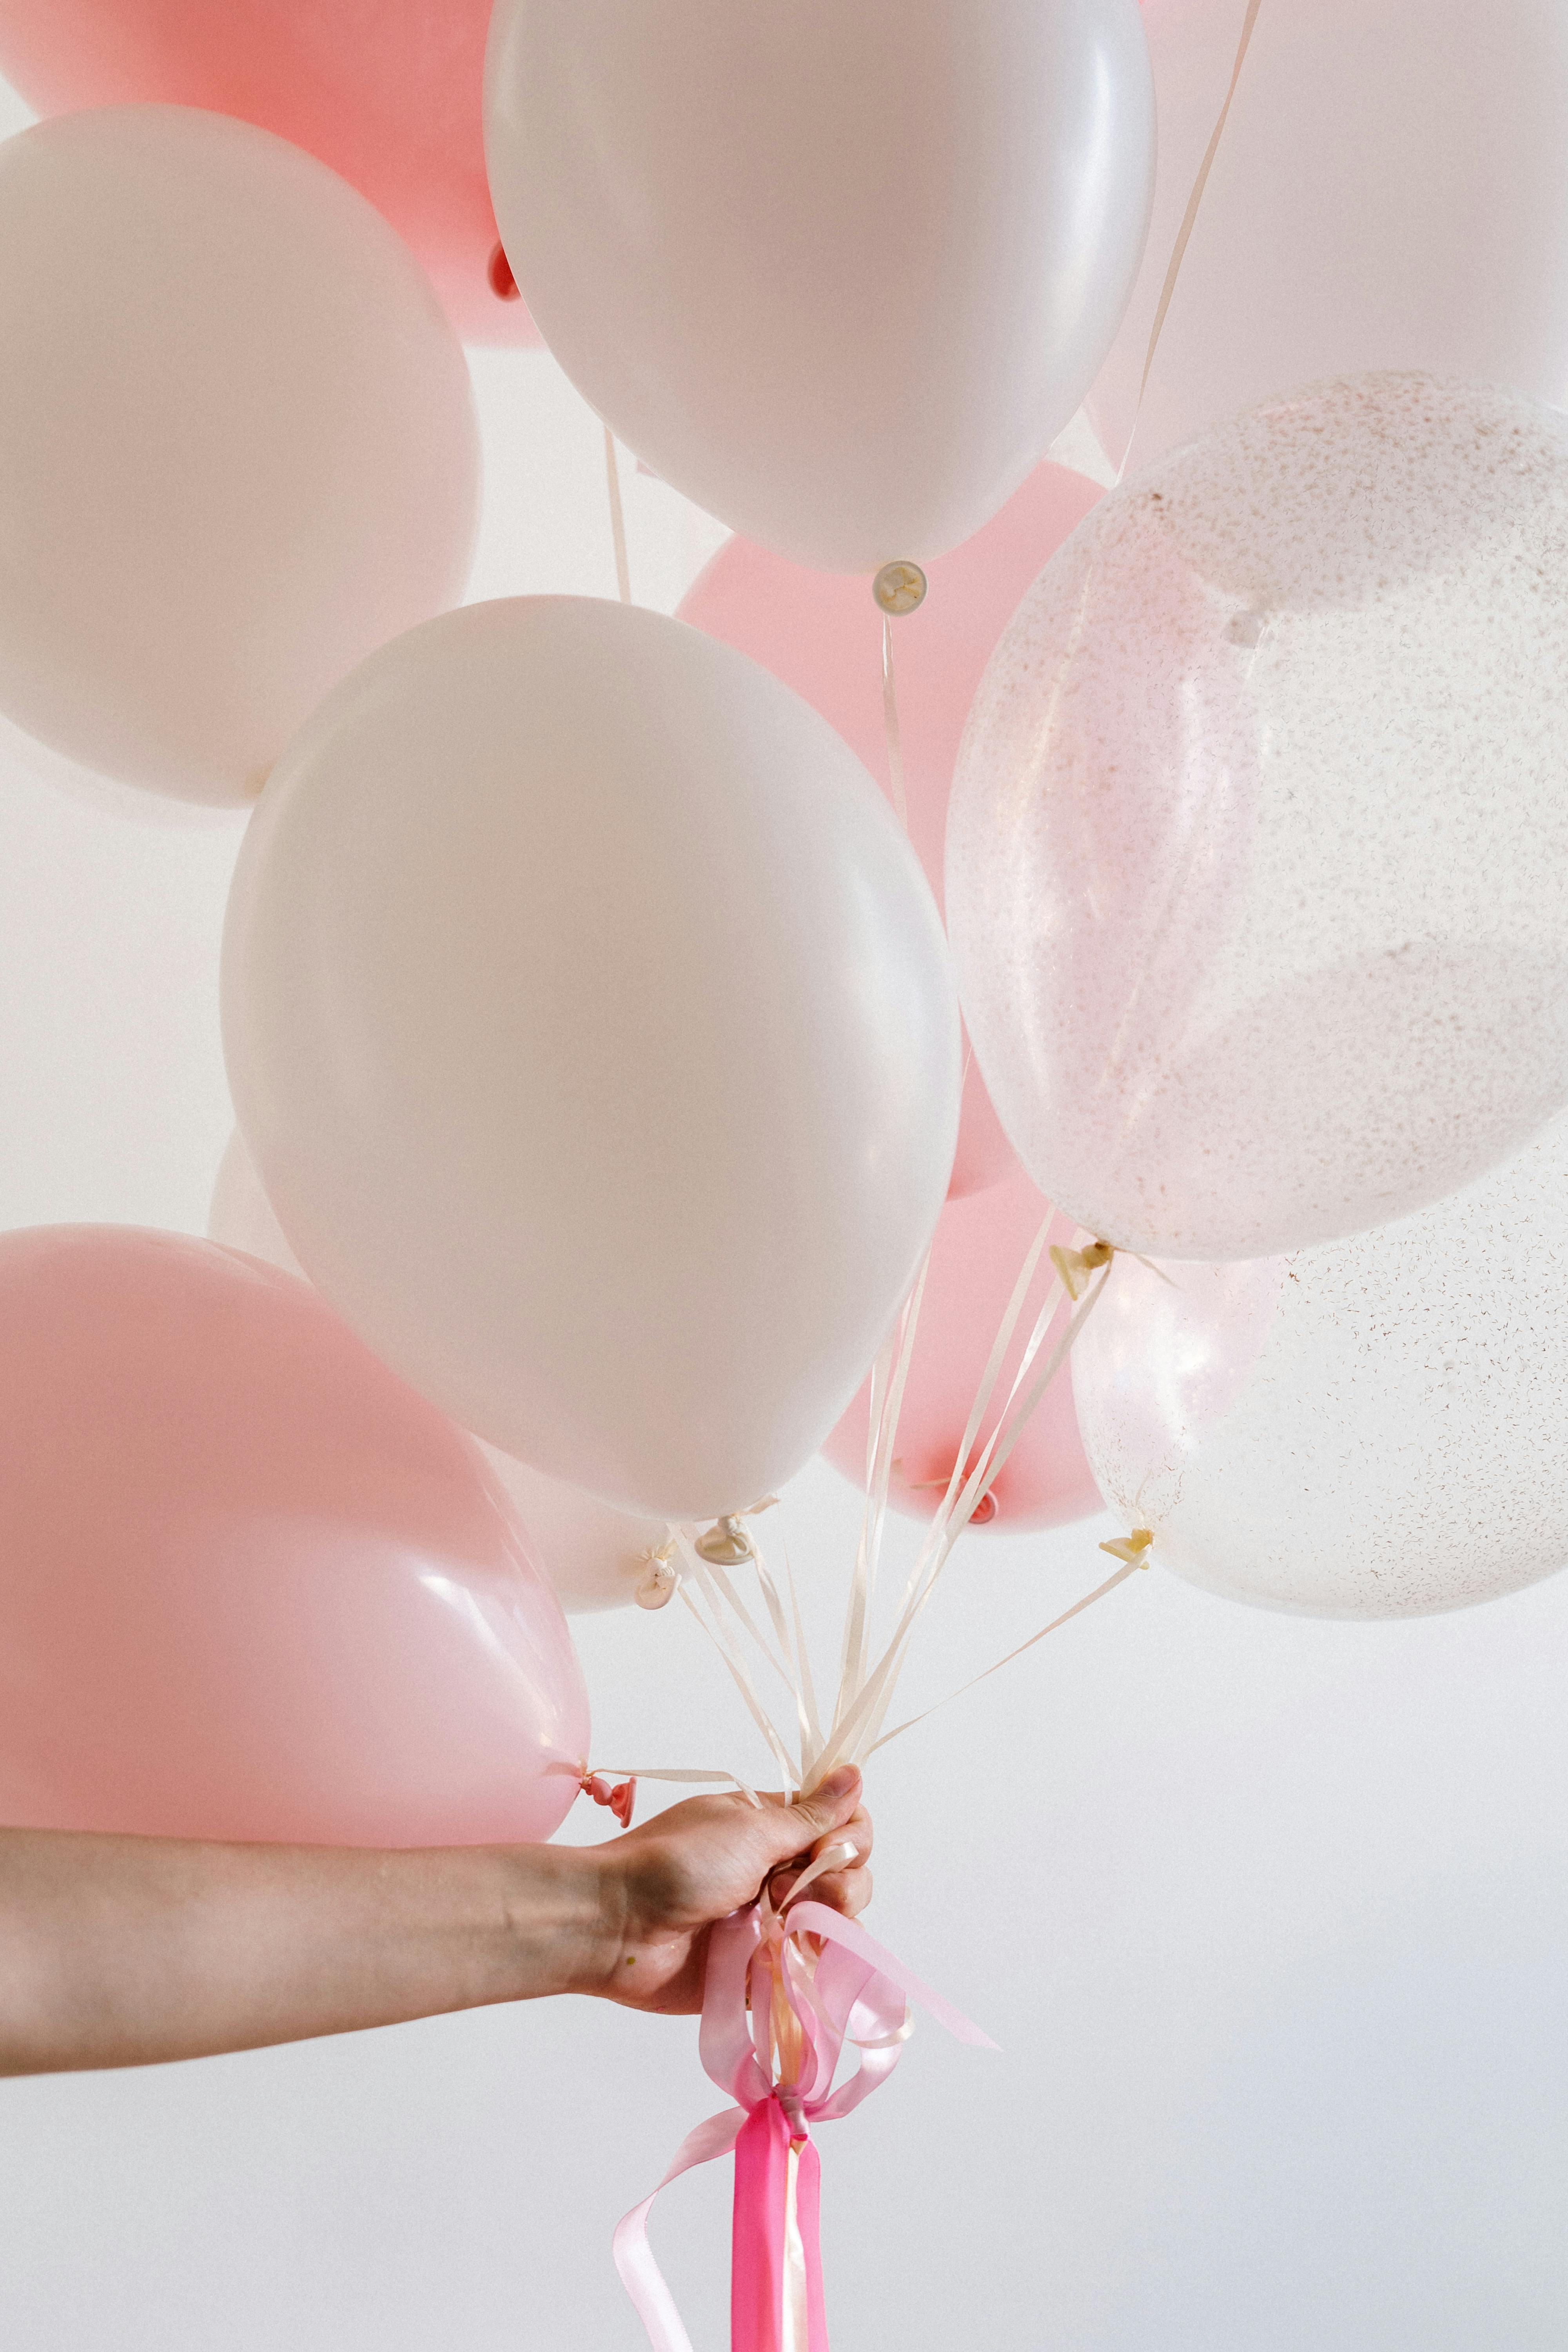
[(786, 1992)]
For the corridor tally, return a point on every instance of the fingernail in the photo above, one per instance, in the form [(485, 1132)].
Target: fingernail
[(839, 1783)]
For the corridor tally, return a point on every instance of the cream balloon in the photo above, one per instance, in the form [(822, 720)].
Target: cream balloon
[(590, 1024), (237, 445), (1257, 853), (1373, 1429), (840, 274), (1388, 193), (595, 1556)]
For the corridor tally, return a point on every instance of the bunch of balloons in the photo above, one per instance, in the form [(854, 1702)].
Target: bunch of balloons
[(602, 1077)]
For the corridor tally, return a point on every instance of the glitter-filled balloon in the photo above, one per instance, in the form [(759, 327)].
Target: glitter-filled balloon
[(1257, 853), (1371, 1429)]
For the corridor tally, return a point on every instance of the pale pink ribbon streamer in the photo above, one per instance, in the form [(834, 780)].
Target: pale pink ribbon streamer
[(850, 1990)]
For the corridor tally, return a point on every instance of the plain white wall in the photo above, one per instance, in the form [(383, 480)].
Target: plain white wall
[(1268, 1917)]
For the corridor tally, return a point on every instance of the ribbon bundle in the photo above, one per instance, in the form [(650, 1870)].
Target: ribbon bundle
[(786, 1992)]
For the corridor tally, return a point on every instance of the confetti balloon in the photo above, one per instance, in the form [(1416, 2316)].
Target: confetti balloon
[(1371, 1429), (1258, 856)]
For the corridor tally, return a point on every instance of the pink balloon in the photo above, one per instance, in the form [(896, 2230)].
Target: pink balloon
[(979, 1249), (251, 1585), (822, 633), (389, 96)]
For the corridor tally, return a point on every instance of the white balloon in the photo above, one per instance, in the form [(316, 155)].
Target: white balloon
[(595, 1556), (1389, 193), (238, 446), (590, 1024), (1374, 1429), (1258, 851), (838, 273)]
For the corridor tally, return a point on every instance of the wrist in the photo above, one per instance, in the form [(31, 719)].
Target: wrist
[(562, 1920)]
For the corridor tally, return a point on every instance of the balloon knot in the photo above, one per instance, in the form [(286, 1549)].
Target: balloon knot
[(503, 285), (1134, 1549), (619, 1799), (726, 1543), (899, 588), (659, 1578), (1076, 1266)]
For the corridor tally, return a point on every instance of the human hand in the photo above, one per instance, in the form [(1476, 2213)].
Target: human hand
[(663, 1886)]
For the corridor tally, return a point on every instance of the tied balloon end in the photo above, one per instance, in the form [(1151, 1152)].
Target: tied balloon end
[(656, 1585), (899, 588), (1134, 1549), (619, 1799), (727, 1544), (498, 273), (1075, 1267)]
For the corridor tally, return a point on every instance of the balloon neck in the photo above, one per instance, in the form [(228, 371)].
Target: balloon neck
[(899, 588), (503, 285), (659, 1578), (1134, 1549), (725, 1544)]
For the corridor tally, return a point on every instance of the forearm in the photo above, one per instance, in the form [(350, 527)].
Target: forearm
[(124, 1951)]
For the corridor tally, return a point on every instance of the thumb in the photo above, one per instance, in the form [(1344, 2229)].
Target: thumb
[(828, 1808)]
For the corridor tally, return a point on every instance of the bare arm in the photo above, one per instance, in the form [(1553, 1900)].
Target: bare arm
[(123, 1952)]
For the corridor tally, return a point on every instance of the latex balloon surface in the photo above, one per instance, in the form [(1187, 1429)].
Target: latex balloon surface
[(251, 1586), (1371, 1429), (978, 1251), (238, 446), (840, 275), (1257, 864), (590, 1024), (1388, 193), (822, 633), (595, 1556), (390, 97)]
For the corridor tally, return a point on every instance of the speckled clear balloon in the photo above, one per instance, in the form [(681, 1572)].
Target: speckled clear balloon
[(1257, 856), (1374, 1428)]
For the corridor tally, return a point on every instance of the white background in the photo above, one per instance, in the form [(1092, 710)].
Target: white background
[(1268, 1917)]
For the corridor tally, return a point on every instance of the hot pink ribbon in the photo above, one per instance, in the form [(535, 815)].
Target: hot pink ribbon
[(849, 1990)]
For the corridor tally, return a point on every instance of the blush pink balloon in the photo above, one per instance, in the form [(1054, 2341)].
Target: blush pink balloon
[(251, 1585), (979, 1246), (389, 96), (822, 633)]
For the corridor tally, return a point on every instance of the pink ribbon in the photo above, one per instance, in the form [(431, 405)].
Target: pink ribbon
[(777, 2060)]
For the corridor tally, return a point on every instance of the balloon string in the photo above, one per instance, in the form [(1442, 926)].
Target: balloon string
[(890, 724), (1077, 1610), (1178, 251), (618, 517)]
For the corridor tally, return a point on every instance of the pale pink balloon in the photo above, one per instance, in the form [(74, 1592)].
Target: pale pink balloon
[(821, 633), (251, 1585), (979, 1246)]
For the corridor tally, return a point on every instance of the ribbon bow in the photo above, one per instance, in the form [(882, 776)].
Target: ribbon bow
[(776, 2014)]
